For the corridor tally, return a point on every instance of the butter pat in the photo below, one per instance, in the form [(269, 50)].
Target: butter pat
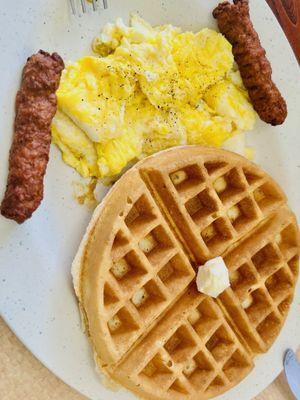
[(212, 277)]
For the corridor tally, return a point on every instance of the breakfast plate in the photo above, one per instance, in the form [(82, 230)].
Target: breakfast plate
[(36, 294)]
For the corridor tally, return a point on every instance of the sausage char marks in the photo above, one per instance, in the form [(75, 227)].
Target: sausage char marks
[(29, 154), (235, 23)]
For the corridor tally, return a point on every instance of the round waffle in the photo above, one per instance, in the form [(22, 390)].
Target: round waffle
[(134, 273)]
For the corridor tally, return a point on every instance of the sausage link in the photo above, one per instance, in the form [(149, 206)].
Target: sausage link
[(29, 154), (235, 23)]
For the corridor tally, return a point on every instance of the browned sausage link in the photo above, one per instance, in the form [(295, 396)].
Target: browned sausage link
[(29, 153), (234, 22)]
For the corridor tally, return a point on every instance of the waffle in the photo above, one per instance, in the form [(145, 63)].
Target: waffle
[(134, 273)]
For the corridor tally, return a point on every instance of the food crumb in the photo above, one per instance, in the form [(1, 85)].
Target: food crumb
[(84, 192)]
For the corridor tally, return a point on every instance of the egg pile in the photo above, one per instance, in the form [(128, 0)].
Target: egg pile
[(146, 89)]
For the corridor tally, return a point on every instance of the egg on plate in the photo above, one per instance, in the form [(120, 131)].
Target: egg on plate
[(146, 89)]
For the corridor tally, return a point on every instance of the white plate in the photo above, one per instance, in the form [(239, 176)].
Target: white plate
[(36, 295)]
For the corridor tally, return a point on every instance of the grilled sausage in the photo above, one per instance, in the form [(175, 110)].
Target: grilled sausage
[(234, 22), (29, 154)]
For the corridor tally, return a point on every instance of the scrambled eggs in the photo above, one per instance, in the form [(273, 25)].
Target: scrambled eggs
[(147, 89)]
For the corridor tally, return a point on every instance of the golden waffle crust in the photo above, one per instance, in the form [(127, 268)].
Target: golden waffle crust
[(134, 273)]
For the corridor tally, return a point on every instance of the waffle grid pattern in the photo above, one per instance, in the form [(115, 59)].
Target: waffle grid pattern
[(200, 354), (218, 201), (262, 284), (148, 272), (206, 355)]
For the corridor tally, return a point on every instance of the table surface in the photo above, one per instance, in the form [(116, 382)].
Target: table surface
[(22, 376)]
